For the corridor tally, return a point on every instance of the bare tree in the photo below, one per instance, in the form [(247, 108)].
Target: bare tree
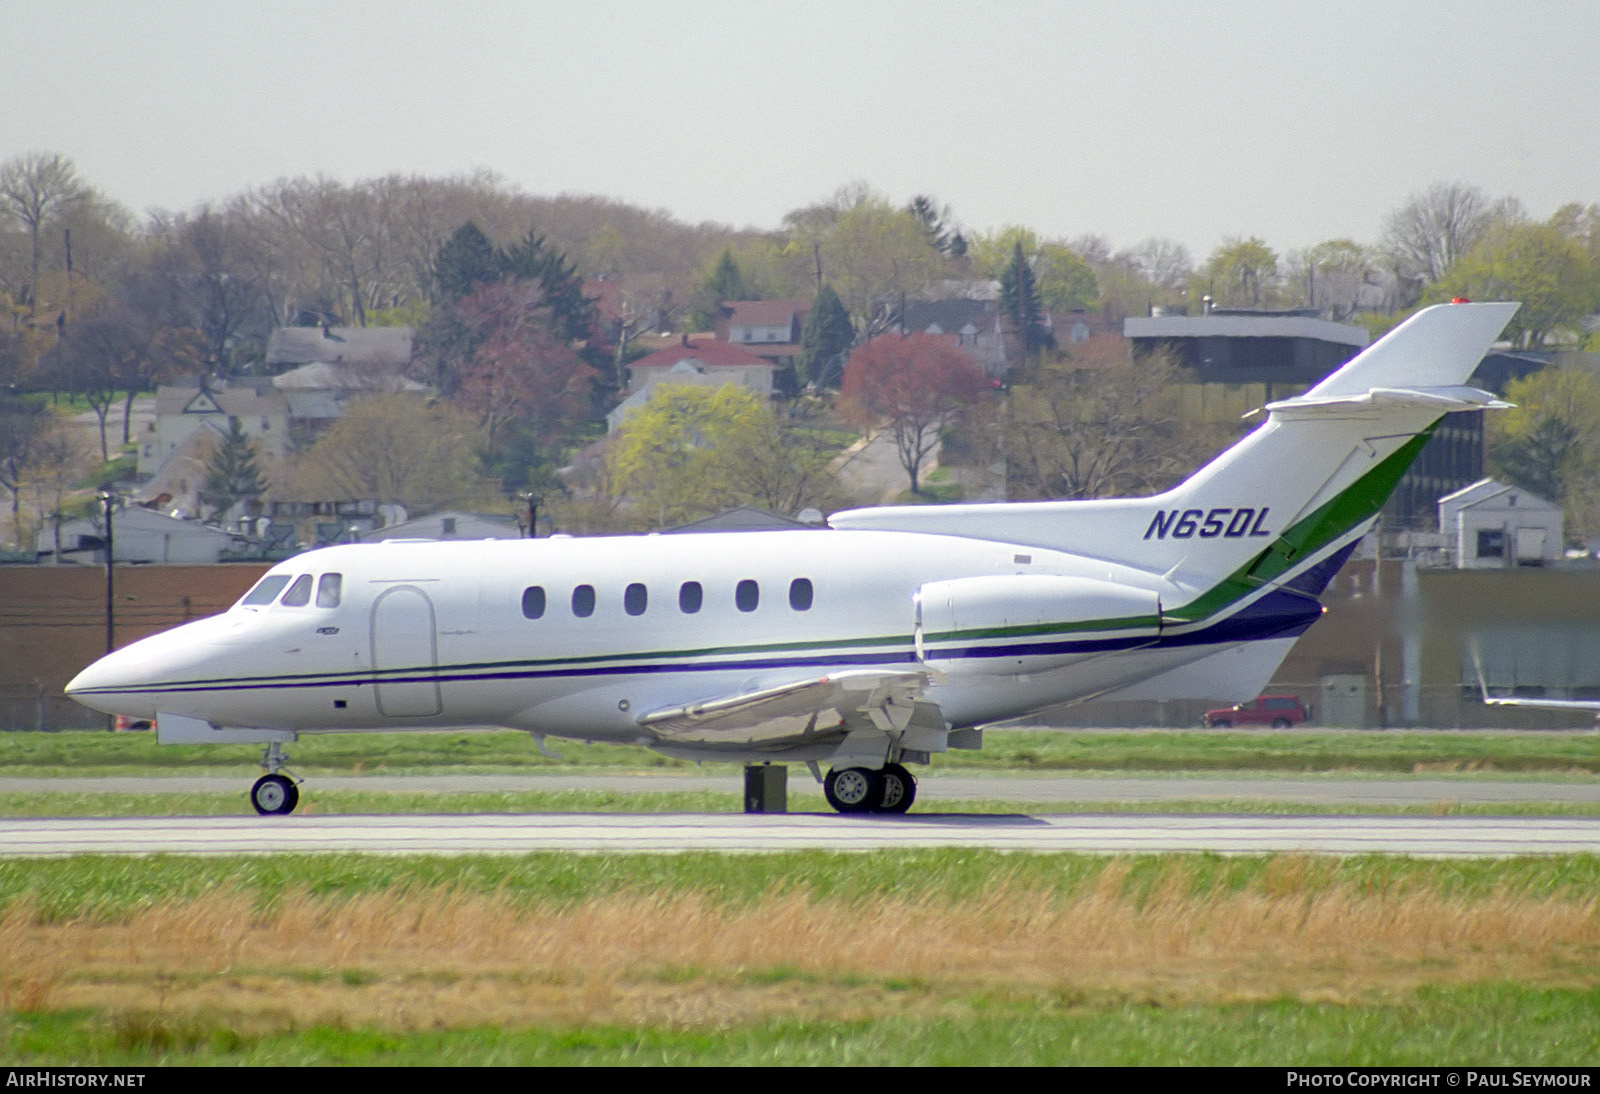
[(35, 188), (1434, 228)]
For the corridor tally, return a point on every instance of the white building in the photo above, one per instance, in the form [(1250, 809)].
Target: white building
[(1495, 526), (138, 535)]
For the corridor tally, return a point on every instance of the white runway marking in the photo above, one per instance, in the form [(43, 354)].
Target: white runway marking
[(510, 834)]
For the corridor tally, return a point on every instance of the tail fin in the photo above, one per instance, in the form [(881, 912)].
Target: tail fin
[(1284, 504)]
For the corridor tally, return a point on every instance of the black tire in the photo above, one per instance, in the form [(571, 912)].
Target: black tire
[(899, 790), (1281, 723), (853, 789), (1221, 723), (274, 796)]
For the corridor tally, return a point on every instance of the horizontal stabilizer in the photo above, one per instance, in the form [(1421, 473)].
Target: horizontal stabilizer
[(1440, 399)]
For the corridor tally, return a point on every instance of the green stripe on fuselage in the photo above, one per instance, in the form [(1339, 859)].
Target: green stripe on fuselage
[(1359, 501)]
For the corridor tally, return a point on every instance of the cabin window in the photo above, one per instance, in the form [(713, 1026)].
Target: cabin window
[(690, 597), (329, 586), (533, 601), (299, 594), (800, 594), (583, 601), (635, 598), (266, 590), (747, 595)]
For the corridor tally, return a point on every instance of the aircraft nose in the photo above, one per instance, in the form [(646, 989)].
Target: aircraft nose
[(111, 684)]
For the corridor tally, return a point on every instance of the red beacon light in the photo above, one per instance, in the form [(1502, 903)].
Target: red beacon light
[(1459, 300)]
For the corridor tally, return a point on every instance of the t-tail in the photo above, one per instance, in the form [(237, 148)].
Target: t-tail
[(1284, 506)]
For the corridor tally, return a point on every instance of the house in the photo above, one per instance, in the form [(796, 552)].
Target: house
[(276, 413), (1495, 526), (450, 524), (191, 418), (138, 535), (362, 349), (975, 324), (767, 328)]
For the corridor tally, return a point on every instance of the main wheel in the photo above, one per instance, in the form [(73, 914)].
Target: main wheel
[(274, 795), (853, 789), (899, 789)]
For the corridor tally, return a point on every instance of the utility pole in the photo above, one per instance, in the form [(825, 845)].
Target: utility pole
[(107, 498)]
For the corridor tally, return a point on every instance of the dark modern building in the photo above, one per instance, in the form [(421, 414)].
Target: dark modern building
[(1280, 354)]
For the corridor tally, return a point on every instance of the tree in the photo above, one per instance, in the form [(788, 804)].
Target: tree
[(397, 448), (116, 351), (1534, 263), (1019, 300), (674, 457), (825, 340), (916, 383), (1434, 228), (936, 223), (232, 473), (1550, 444), (1062, 278), (34, 189), (1241, 273), (22, 428), (518, 373), (873, 254), (1096, 423), (60, 460), (1336, 272), (547, 285), (722, 282), (466, 260)]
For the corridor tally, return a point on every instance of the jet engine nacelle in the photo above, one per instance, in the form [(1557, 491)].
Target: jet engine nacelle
[(1027, 622)]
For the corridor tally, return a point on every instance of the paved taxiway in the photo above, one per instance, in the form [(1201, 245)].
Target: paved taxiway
[(1099, 833)]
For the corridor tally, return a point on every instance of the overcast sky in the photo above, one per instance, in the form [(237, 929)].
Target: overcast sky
[(1292, 121)]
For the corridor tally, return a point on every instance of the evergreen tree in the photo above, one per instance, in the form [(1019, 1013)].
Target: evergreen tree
[(232, 474), (466, 259), (1019, 299), (825, 340), (724, 282), (572, 314), (934, 222)]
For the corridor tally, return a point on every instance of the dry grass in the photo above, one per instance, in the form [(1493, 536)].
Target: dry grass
[(449, 959)]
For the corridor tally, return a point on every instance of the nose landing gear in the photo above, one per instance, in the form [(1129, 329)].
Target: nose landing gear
[(274, 794)]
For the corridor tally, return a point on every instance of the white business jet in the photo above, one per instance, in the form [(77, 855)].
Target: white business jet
[(892, 635)]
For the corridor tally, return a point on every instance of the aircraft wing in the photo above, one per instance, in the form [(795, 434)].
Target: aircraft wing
[(1592, 706), (876, 698)]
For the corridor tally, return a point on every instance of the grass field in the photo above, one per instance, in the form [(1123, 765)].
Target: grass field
[(1556, 753), (915, 957), (816, 958)]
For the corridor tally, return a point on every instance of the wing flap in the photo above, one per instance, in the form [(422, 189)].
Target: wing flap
[(884, 699)]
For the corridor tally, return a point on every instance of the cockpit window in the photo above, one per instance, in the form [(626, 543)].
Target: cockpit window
[(299, 594), (266, 590), (328, 589)]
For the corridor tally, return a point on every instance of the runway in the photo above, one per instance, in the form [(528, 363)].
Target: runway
[(1451, 836)]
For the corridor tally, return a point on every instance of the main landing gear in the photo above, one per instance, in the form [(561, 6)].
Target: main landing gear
[(890, 789), (274, 794)]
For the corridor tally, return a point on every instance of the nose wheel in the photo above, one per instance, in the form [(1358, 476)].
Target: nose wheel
[(274, 795)]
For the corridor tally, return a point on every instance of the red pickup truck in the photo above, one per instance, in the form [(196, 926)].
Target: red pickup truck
[(1278, 711)]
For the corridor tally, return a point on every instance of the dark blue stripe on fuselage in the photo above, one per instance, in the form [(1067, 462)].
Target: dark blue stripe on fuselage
[(1279, 614)]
